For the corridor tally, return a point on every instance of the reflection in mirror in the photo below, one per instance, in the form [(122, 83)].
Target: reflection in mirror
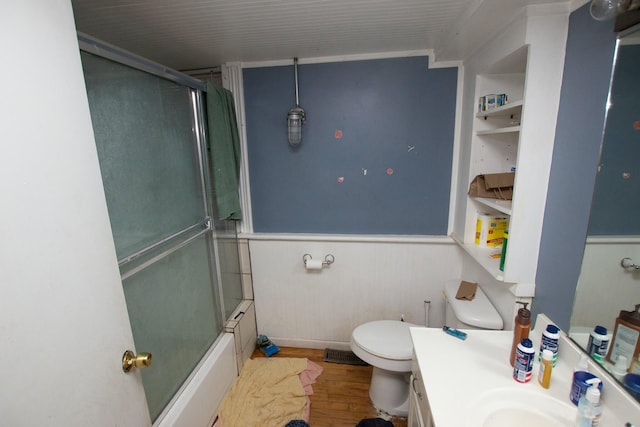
[(609, 285)]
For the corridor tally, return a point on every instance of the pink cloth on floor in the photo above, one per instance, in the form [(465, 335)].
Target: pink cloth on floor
[(307, 378)]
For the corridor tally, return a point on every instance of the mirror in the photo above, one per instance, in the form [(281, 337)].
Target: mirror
[(607, 284)]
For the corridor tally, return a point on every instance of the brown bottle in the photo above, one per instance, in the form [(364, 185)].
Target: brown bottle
[(520, 329), (626, 336)]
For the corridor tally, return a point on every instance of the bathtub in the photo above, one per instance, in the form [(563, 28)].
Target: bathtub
[(196, 403)]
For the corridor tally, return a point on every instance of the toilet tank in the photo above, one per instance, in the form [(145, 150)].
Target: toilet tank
[(478, 313)]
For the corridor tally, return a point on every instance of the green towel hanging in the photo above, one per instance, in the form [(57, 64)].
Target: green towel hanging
[(224, 145)]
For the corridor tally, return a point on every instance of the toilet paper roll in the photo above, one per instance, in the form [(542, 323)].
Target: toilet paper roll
[(313, 264)]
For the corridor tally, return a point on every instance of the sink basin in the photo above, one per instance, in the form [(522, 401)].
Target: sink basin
[(508, 407)]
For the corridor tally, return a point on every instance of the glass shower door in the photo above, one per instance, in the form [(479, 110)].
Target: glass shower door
[(152, 166)]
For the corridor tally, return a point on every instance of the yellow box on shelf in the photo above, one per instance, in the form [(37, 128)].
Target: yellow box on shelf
[(490, 230)]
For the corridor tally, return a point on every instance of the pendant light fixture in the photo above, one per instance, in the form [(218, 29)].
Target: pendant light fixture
[(296, 116), (603, 10)]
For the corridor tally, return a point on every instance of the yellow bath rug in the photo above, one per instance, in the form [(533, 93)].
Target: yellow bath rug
[(268, 392)]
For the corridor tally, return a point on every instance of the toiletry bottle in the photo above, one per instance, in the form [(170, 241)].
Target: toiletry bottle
[(546, 366), (589, 410), (598, 343), (520, 329), (523, 366), (619, 370), (579, 383), (549, 341), (626, 336), (635, 366), (503, 253), (583, 364)]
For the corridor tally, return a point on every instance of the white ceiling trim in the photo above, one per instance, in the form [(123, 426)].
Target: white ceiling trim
[(355, 57)]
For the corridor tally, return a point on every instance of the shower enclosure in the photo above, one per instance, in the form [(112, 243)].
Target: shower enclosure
[(179, 266)]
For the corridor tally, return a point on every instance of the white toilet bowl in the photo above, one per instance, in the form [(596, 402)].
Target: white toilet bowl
[(387, 346)]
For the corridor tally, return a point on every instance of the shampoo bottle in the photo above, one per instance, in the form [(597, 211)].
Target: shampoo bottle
[(520, 329)]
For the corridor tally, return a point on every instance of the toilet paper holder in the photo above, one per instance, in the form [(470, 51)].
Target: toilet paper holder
[(328, 259)]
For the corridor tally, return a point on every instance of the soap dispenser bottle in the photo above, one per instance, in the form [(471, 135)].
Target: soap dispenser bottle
[(589, 410), (520, 329)]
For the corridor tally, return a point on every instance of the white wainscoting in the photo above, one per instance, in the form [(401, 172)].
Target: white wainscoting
[(604, 287), (372, 278)]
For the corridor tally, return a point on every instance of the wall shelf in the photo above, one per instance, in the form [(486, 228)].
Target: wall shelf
[(503, 206), (509, 129), (483, 256), (512, 108)]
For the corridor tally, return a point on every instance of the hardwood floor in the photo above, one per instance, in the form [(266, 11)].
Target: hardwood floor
[(340, 395)]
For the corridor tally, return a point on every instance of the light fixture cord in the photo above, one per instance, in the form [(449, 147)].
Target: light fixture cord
[(295, 74)]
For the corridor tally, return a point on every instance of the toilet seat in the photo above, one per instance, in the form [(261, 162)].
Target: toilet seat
[(389, 339)]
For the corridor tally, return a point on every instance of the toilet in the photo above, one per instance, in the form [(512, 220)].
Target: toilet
[(386, 345)]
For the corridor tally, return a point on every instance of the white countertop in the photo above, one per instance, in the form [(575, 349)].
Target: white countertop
[(456, 371)]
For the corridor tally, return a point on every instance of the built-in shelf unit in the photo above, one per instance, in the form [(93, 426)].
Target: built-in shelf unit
[(525, 62), (494, 149)]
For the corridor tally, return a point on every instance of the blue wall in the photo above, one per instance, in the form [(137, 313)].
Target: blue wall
[(587, 71), (388, 173), (616, 205)]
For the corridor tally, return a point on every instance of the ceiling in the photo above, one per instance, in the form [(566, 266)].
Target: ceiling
[(192, 34)]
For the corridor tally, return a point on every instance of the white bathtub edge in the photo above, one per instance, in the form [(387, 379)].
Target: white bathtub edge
[(198, 402)]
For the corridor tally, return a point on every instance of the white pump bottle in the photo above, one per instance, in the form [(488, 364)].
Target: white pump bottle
[(589, 410)]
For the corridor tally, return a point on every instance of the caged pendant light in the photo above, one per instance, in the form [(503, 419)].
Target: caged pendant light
[(296, 116)]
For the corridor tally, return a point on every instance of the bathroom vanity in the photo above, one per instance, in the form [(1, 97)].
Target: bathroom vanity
[(469, 383)]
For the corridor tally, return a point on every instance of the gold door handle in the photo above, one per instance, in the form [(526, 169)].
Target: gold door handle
[(130, 360)]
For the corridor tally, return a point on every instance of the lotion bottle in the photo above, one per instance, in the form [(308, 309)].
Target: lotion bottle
[(520, 329)]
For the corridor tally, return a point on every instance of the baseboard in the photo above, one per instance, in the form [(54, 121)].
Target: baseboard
[(316, 344)]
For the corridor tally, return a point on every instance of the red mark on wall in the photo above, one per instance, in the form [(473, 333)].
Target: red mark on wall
[(338, 134), (636, 125), (389, 171), (626, 175), (340, 179)]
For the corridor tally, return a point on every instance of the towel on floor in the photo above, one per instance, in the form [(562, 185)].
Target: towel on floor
[(268, 392)]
